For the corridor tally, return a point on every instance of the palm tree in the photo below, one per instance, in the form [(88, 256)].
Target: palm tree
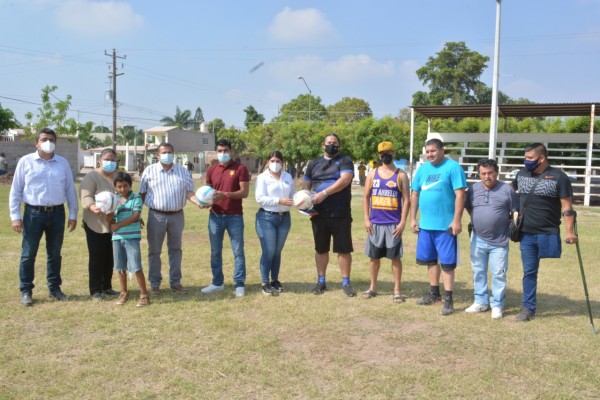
[(182, 119)]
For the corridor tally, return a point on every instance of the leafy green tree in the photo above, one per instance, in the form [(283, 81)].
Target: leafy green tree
[(51, 114), (452, 76), (128, 134), (215, 126), (253, 117), (181, 119), (305, 107), (300, 141), (87, 140), (234, 135), (7, 119), (101, 129), (349, 109)]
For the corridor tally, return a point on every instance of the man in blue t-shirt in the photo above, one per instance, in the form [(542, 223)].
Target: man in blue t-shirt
[(331, 177), (438, 189)]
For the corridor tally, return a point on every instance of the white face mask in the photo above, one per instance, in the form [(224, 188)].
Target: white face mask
[(275, 166), (47, 147)]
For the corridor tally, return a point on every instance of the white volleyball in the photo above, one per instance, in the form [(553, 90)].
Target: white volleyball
[(107, 202), (205, 195), (303, 199)]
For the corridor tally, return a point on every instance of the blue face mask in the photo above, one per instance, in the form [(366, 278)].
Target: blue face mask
[(109, 166), (531, 165), (223, 158), (167, 158)]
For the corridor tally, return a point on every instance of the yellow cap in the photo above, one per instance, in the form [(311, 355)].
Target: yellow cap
[(385, 146)]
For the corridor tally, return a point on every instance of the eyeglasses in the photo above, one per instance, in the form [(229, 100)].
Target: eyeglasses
[(486, 197)]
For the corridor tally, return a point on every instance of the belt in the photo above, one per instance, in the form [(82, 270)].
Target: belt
[(45, 208), (274, 212), (166, 212)]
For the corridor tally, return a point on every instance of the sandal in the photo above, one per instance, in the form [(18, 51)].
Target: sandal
[(399, 298), (369, 294)]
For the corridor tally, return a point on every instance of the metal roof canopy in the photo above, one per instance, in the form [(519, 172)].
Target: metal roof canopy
[(517, 111), (509, 110)]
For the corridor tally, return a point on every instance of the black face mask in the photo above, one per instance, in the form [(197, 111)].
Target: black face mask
[(387, 158), (332, 149)]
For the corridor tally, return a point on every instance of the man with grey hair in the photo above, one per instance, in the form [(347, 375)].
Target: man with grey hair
[(165, 187), (490, 203)]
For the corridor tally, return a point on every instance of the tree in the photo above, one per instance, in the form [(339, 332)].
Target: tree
[(7, 119), (300, 141), (253, 118), (101, 129), (305, 107), (216, 125), (198, 119), (349, 109), (182, 119), (86, 138), (128, 134), (51, 114), (452, 76)]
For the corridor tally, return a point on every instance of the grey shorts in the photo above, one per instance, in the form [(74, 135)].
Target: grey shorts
[(382, 243)]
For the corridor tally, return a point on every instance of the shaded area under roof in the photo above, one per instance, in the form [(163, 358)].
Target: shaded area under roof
[(509, 110)]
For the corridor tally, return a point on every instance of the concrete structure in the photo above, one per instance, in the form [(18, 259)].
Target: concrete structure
[(19, 146), (190, 146)]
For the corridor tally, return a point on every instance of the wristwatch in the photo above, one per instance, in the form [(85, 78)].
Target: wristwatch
[(568, 213)]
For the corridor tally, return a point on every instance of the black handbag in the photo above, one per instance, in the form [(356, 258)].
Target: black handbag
[(514, 229)]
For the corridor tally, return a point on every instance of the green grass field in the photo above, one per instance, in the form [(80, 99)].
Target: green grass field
[(297, 345)]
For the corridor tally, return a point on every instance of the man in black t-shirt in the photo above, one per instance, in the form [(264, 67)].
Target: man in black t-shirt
[(540, 236), (331, 177)]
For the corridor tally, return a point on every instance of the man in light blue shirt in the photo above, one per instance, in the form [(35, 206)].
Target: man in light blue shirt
[(44, 182), (438, 190)]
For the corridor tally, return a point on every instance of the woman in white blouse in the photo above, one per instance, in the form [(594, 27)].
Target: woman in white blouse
[(274, 192)]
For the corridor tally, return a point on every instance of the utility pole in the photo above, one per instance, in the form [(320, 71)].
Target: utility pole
[(113, 75)]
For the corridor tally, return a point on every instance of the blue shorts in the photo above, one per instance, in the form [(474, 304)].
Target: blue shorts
[(436, 247), (127, 255)]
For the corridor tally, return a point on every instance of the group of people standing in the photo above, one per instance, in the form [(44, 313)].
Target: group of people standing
[(43, 181)]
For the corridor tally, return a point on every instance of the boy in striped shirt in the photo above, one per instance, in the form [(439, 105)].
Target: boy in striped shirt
[(127, 233)]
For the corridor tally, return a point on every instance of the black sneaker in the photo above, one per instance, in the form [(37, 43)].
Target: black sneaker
[(276, 285), (319, 288), (429, 299), (111, 292), (448, 307), (267, 290), (525, 315), (58, 295), (348, 290)]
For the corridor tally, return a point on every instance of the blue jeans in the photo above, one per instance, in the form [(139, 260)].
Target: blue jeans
[(127, 255), (234, 225), (535, 246), (482, 254), (272, 230), (35, 224)]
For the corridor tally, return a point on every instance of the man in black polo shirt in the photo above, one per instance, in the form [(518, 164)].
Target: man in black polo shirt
[(331, 177), (540, 236)]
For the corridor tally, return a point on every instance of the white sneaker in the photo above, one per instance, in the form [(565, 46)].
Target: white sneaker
[(213, 288), (496, 312), (476, 308), (240, 291)]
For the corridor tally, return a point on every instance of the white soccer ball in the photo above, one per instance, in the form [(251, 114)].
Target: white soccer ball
[(303, 199), (107, 202), (205, 195)]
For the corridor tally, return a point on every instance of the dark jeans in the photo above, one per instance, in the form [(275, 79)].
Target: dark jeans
[(100, 263), (535, 246), (35, 224)]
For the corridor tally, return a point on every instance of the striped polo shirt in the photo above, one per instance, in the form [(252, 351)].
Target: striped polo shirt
[(166, 190), (124, 211)]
